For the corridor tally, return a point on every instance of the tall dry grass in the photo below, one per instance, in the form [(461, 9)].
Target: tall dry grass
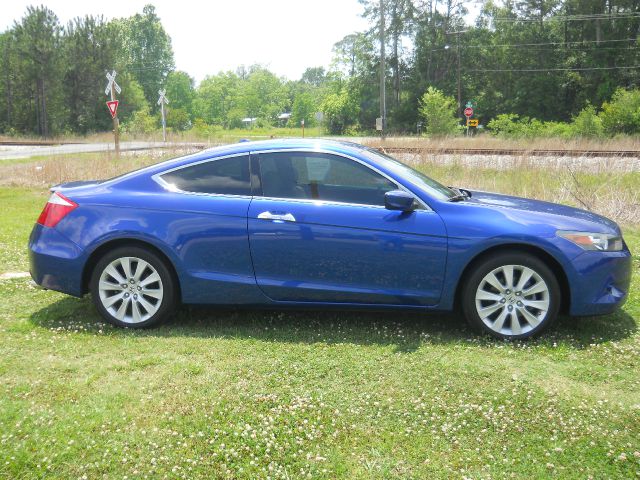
[(490, 142), (610, 191), (51, 171)]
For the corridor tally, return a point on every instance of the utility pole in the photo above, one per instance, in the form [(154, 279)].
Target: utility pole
[(383, 102), (162, 101), (459, 86), (112, 88), (458, 66)]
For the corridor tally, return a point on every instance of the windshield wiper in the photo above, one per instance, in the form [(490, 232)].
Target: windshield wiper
[(460, 194), (457, 198)]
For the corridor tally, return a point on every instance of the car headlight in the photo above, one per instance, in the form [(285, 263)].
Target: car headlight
[(594, 241)]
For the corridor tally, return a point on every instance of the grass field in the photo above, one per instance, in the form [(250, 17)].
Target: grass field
[(262, 394)]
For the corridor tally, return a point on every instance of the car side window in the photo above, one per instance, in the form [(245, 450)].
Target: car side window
[(320, 176), (227, 176)]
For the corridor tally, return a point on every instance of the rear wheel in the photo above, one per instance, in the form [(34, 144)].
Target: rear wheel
[(132, 287), (512, 296)]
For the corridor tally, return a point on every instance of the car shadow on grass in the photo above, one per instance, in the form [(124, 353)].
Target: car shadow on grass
[(405, 330)]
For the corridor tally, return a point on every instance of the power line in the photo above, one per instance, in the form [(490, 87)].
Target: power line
[(551, 43), (578, 69), (570, 18)]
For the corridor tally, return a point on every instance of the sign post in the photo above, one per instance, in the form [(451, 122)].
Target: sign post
[(302, 123), (112, 88), (162, 101), (468, 112)]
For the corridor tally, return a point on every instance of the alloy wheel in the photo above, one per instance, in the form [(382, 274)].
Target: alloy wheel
[(130, 290), (512, 300)]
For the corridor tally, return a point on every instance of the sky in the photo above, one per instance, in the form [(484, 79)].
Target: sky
[(208, 36)]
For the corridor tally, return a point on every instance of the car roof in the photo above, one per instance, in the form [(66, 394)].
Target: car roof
[(321, 144), (285, 143)]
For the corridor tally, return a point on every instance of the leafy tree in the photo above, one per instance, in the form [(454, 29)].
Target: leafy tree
[(304, 108), (398, 23), (132, 98), (216, 97), (264, 95), (8, 81), (37, 42), (181, 92), (340, 107), (314, 77), (439, 113), (148, 51), (89, 46)]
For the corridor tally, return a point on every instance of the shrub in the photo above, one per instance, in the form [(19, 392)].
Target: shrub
[(141, 122), (622, 113), (439, 113), (178, 119), (587, 123), (339, 109), (505, 125)]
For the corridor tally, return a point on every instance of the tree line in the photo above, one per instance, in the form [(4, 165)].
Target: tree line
[(518, 62)]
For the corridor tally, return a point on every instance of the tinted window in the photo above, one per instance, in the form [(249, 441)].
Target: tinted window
[(227, 176), (321, 177)]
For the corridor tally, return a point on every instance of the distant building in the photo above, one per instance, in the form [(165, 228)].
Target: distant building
[(283, 118)]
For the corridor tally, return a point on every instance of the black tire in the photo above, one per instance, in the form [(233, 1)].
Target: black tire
[(157, 309), (519, 321)]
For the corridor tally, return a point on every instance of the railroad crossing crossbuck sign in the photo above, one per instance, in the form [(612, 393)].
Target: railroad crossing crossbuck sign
[(112, 83), (111, 90), (163, 98)]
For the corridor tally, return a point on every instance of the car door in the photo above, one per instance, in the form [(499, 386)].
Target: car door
[(320, 233), (206, 225)]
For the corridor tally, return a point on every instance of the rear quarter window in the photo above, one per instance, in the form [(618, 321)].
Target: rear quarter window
[(226, 176)]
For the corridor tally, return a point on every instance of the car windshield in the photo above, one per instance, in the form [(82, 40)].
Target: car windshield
[(435, 188)]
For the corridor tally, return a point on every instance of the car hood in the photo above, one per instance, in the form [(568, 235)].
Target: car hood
[(582, 217)]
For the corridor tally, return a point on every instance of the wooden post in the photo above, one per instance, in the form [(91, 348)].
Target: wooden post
[(116, 122)]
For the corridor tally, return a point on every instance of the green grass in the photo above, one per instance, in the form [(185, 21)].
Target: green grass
[(257, 394)]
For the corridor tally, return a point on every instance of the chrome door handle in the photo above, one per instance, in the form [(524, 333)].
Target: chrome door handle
[(281, 217)]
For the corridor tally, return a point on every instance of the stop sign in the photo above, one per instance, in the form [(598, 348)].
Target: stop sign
[(468, 112)]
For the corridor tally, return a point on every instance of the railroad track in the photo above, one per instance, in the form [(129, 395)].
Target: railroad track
[(512, 152), (412, 150)]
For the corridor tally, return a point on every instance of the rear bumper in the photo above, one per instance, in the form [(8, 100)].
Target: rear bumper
[(601, 284), (55, 262)]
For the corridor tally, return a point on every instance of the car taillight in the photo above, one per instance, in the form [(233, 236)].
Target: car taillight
[(56, 209)]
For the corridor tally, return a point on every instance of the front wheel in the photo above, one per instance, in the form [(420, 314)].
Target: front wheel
[(132, 287), (512, 296)]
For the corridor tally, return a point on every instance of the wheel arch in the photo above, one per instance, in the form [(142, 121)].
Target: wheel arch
[(99, 252), (541, 254)]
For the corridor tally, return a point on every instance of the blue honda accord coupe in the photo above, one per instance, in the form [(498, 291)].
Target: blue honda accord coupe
[(317, 223)]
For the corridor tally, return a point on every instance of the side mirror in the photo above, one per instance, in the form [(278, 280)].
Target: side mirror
[(399, 200)]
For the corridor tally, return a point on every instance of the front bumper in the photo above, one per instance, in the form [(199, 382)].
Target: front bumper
[(601, 282), (55, 262)]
